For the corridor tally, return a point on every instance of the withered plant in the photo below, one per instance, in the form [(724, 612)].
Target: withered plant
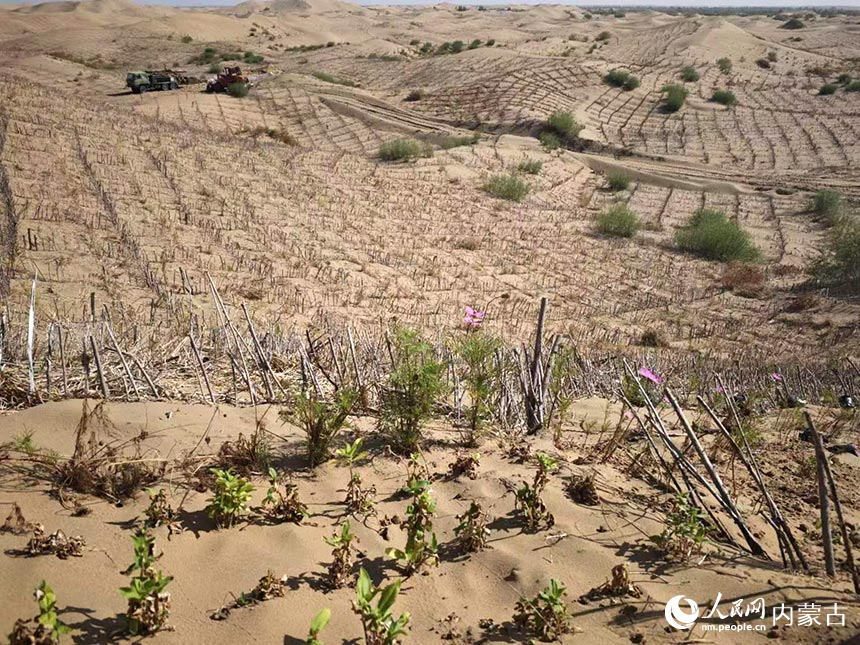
[(465, 465), (282, 503), (472, 531), (581, 489), (267, 588), (618, 586), (44, 629), (161, 513), (340, 570), (55, 544), (148, 602)]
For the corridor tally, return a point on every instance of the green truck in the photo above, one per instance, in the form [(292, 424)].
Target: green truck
[(140, 82)]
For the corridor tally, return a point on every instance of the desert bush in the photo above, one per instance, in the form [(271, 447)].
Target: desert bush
[(231, 497), (530, 166), (508, 187), (725, 65), (459, 141), (475, 44), (44, 629), (426, 48), (689, 74), (616, 77), (713, 236), (187, 39), (618, 221), (321, 419), (414, 95), (673, 97), (457, 46), (252, 59), (214, 68), (853, 86), (631, 83), (148, 604), (652, 338), (328, 78), (549, 141), (491, 42), (564, 124), (618, 180), (238, 90), (840, 262), (403, 150), (771, 57), (380, 625), (828, 204), (843, 79), (743, 279), (545, 616), (724, 97), (603, 36), (415, 381), (793, 23), (764, 63)]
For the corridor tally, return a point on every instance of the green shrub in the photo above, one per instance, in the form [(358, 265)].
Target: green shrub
[(416, 380), (603, 36), (616, 77), (853, 86), (564, 124), (530, 166), (478, 351), (415, 95), (475, 44), (843, 79), (673, 97), (403, 150), (841, 260), (764, 63), (508, 187), (794, 23), (827, 89), (725, 65), (414, 42), (187, 39), (713, 236), (491, 42), (328, 78), (631, 83), (618, 180), (426, 48), (771, 57), (549, 141), (252, 59), (238, 90), (458, 141), (689, 74), (828, 204), (618, 221), (725, 97), (215, 68), (321, 419), (232, 494), (457, 46)]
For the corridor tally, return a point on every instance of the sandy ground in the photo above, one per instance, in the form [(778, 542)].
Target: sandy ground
[(211, 564)]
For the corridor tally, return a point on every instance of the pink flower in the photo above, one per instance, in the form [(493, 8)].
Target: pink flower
[(473, 317), (776, 377), (651, 376), (628, 414)]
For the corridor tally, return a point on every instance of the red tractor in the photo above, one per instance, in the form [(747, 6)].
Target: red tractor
[(228, 77)]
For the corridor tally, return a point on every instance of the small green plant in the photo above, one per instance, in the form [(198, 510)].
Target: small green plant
[(340, 570), (477, 351), (546, 616), (358, 500), (618, 180), (618, 221), (475, 44), (321, 419), (827, 203), (844, 78), (44, 629), (689, 74), (564, 125), (318, 624), (529, 502), (252, 59), (421, 545), (414, 383), (617, 77), (238, 90), (685, 531), (148, 603), (764, 63), (724, 97), (713, 236), (230, 501), (283, 506), (530, 166), (403, 150), (725, 65), (828, 89), (674, 96), (380, 625), (508, 187), (472, 531), (631, 83)]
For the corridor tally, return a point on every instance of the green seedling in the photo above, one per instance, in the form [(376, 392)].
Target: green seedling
[(148, 603), (380, 625), (546, 616), (283, 506), (161, 513), (421, 544), (685, 531), (358, 500), (529, 501), (340, 570), (44, 629), (472, 531), (232, 494), (317, 625)]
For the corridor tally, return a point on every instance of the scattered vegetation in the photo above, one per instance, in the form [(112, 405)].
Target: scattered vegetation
[(404, 150), (458, 141), (564, 125), (621, 78), (827, 89), (713, 236), (853, 86), (725, 65), (617, 180), (840, 263), (827, 204), (508, 187), (546, 616), (530, 166), (724, 97), (673, 97), (618, 221), (380, 625), (328, 78), (148, 602), (549, 141)]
